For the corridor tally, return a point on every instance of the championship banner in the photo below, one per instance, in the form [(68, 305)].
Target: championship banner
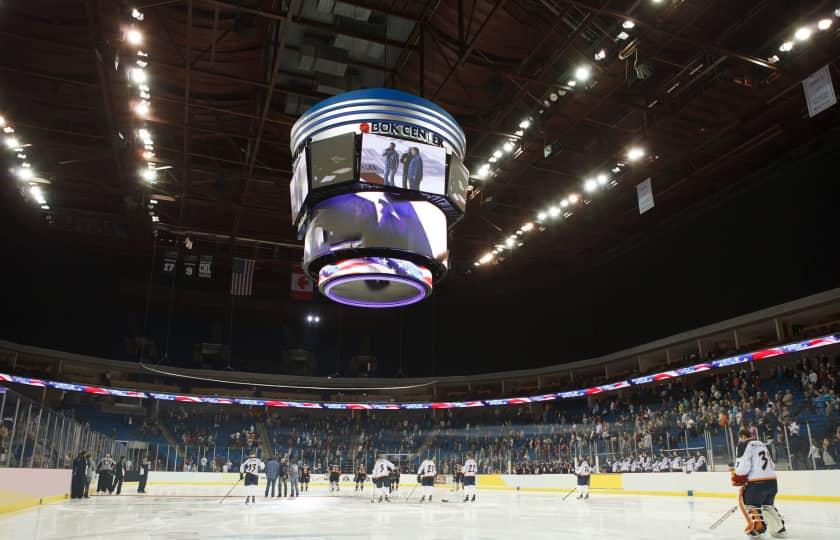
[(301, 284), (190, 262), (170, 260), (205, 266)]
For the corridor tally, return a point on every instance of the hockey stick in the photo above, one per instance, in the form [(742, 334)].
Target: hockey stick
[(412, 492), (569, 493), (723, 518), (230, 490)]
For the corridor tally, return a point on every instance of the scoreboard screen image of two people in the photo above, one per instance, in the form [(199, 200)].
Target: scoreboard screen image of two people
[(403, 164)]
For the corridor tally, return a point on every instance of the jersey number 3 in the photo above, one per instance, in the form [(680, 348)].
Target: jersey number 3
[(764, 461)]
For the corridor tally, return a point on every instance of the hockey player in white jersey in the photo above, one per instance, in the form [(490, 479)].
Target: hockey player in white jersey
[(250, 471), (583, 470), (469, 471), (381, 471), (426, 478), (755, 474)]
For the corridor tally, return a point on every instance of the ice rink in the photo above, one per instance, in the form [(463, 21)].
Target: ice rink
[(495, 514)]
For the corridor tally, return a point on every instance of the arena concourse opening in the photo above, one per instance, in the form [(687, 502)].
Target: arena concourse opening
[(374, 269)]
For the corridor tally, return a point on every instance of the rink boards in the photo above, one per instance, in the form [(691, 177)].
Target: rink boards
[(24, 488)]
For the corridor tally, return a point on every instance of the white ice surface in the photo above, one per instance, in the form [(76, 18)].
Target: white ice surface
[(349, 515)]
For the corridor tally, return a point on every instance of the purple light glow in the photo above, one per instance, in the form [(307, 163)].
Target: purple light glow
[(422, 291)]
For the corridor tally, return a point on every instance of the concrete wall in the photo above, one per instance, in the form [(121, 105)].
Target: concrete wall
[(23, 488)]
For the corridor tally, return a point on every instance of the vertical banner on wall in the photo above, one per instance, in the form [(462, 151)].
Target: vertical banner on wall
[(644, 192), (170, 260), (301, 284), (190, 262), (205, 266)]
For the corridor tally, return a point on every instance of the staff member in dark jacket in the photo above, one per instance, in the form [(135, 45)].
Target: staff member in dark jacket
[(272, 472), (283, 487), (119, 475), (77, 484), (405, 158), (106, 475), (143, 472)]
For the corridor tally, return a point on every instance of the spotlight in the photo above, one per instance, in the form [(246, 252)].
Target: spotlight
[(572, 83), (525, 124), (824, 24), (628, 25), (519, 133), (142, 63), (497, 154), (8, 129), (486, 258), (774, 59), (153, 201), (564, 203), (12, 142), (616, 170), (155, 219), (492, 159), (2, 121), (508, 147), (510, 242), (635, 154), (21, 155), (623, 36), (45, 207), (802, 34), (37, 194), (554, 211), (137, 14), (787, 46), (573, 198), (602, 179), (134, 36), (546, 103), (583, 73), (590, 185), (528, 227), (142, 109), (553, 96), (600, 55), (25, 173), (148, 155), (541, 216)]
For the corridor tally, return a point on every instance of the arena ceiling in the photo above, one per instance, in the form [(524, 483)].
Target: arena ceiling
[(700, 85)]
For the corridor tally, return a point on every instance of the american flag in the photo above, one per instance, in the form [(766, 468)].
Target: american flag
[(242, 278)]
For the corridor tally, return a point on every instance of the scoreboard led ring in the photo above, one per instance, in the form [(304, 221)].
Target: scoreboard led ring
[(378, 180)]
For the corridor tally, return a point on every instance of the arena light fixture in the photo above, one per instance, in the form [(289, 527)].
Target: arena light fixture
[(824, 24), (602, 179), (486, 258), (628, 25), (141, 108), (137, 14), (24, 173), (45, 207), (582, 73), (497, 154), (139, 75), (155, 219), (600, 55), (803, 34), (572, 83), (787, 46), (2, 121), (622, 36), (528, 227), (492, 159), (149, 174), (144, 135), (134, 36), (12, 142), (541, 216), (635, 154), (519, 133), (8, 129), (508, 147), (590, 185), (525, 124), (37, 194), (574, 198), (553, 96)]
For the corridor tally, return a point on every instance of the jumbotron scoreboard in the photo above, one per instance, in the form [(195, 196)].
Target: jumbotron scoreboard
[(378, 181)]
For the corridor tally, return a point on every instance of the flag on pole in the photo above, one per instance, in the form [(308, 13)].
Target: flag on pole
[(242, 277), (301, 284)]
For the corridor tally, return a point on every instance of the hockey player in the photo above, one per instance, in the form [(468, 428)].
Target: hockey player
[(676, 464), (361, 476), (426, 477), (755, 474), (690, 464), (469, 470), (250, 471), (304, 478), (700, 463), (583, 471), (381, 471), (335, 476)]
